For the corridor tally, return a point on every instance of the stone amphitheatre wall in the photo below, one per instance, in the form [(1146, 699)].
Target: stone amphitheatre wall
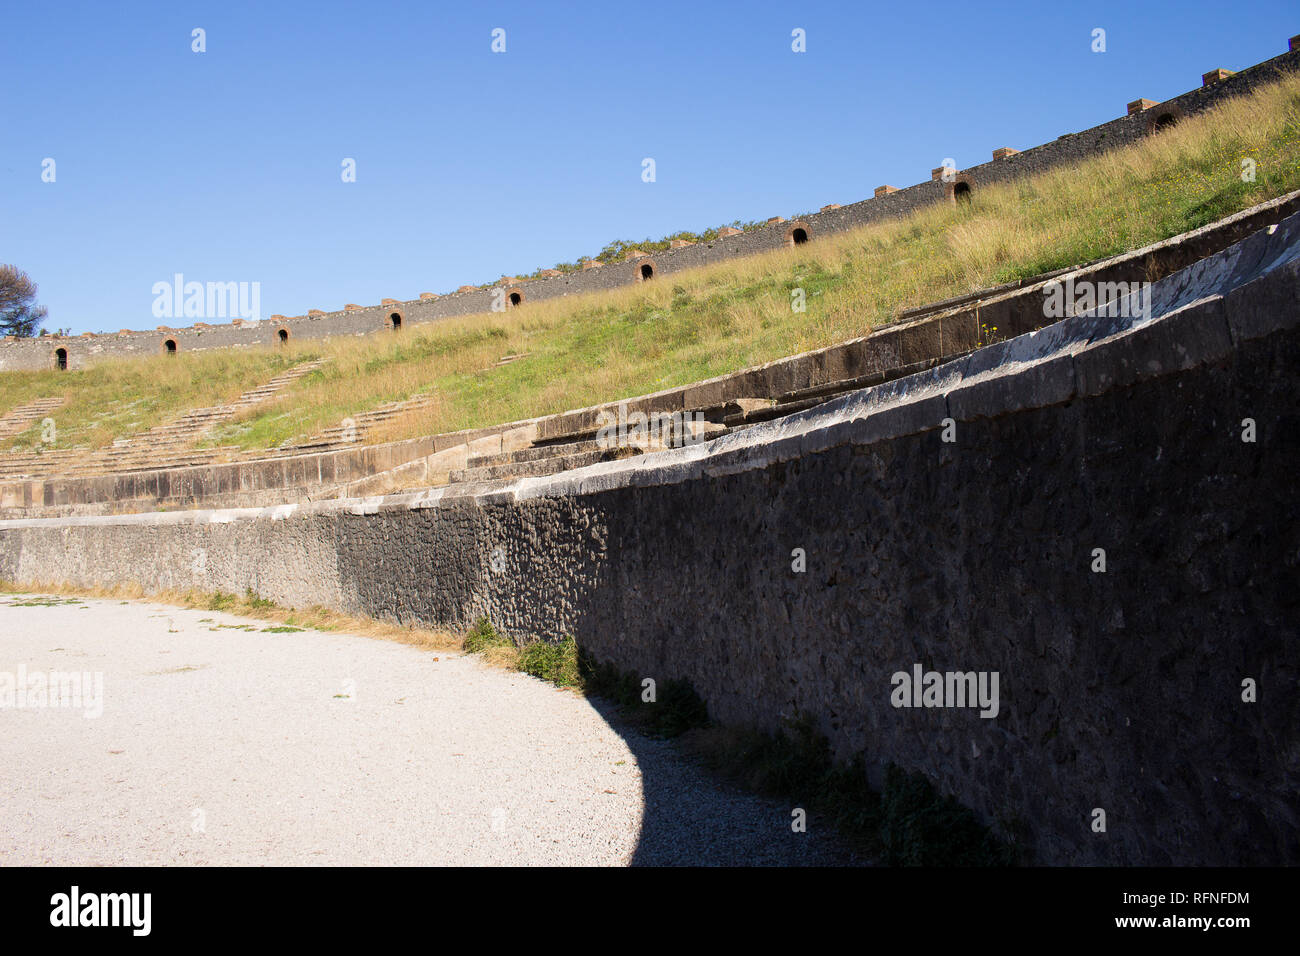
[(940, 330), (1143, 119), (1119, 690)]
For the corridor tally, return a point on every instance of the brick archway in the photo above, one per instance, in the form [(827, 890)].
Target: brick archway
[(646, 269), (961, 189), (61, 359), (395, 321), (514, 297), (170, 347), (797, 233), (1164, 117)]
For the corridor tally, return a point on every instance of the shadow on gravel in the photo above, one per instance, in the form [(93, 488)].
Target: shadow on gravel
[(692, 817)]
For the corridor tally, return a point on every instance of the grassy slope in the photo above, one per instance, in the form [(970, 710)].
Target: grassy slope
[(718, 319)]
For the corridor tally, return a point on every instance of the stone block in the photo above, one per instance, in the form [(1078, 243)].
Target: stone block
[(1191, 336), (958, 332), (1013, 386), (1266, 304)]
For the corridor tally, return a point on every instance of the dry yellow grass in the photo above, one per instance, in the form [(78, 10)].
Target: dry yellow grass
[(710, 321), (314, 618)]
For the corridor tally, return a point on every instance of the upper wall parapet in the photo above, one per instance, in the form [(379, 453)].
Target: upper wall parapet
[(1142, 117)]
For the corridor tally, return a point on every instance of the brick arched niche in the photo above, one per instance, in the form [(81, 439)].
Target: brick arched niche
[(1163, 117), (514, 297), (959, 190), (61, 359), (282, 336), (645, 269), (797, 233), (170, 346), (395, 320)]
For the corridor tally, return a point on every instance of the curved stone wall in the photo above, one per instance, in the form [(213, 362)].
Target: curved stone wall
[(948, 522), (81, 350)]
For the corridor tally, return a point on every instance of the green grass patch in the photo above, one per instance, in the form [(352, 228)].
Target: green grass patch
[(554, 661), (584, 349), (221, 601), (42, 602), (483, 635), (674, 709)]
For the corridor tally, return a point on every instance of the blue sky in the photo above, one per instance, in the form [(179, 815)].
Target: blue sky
[(225, 165)]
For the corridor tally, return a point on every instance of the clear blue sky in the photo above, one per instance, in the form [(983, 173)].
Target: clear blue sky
[(225, 165)]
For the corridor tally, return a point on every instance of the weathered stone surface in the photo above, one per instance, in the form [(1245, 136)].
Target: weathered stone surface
[(1264, 304), (354, 319), (1191, 336), (1119, 690), (1046, 382)]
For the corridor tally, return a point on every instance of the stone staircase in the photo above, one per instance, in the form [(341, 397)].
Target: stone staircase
[(356, 431), (169, 445), (363, 424), (542, 460), (579, 449), (801, 400), (22, 417)]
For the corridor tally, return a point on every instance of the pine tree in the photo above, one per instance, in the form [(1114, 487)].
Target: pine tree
[(18, 313)]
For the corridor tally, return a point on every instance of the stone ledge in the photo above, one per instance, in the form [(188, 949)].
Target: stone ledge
[(1191, 336), (1033, 370), (1266, 304)]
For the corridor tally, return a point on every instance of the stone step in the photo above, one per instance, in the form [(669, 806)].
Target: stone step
[(532, 453), (770, 411), (543, 466), (712, 414), (169, 445), (803, 399), (23, 417)]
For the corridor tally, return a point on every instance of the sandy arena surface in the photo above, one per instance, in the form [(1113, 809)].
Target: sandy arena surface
[(219, 745)]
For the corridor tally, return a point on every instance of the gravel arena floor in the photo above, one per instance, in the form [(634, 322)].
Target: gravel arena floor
[(220, 745)]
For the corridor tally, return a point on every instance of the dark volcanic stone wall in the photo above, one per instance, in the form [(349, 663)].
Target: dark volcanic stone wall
[(1119, 691)]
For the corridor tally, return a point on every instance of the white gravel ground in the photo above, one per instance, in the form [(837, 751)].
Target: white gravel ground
[(239, 747)]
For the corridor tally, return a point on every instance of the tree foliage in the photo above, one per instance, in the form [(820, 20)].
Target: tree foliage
[(19, 315)]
